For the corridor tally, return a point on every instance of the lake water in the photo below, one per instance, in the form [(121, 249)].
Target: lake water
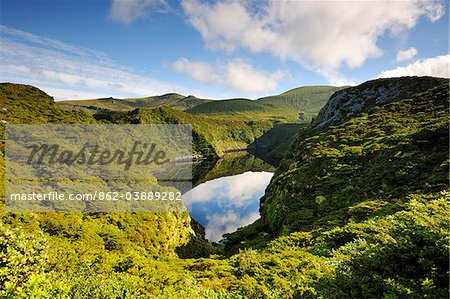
[(222, 203)]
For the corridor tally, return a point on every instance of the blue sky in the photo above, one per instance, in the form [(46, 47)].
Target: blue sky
[(216, 49)]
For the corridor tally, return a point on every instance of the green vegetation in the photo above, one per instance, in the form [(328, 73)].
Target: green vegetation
[(295, 105), (358, 208), (30, 105), (402, 255), (173, 100), (384, 154), (273, 145), (213, 136), (245, 108), (306, 100)]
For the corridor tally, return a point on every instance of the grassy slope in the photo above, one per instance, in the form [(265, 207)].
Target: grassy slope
[(276, 142), (247, 108), (283, 107), (307, 99), (173, 100)]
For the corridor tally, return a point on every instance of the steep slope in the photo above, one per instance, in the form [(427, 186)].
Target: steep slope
[(363, 203), (396, 146), (173, 100)]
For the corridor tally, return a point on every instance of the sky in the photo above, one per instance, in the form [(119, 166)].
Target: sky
[(216, 49)]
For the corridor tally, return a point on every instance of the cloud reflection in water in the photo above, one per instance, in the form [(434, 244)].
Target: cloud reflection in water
[(225, 204)]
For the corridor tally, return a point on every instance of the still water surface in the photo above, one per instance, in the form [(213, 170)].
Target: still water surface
[(223, 204)]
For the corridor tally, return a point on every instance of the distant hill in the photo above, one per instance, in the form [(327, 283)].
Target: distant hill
[(279, 111), (211, 135), (300, 103), (309, 99), (173, 100)]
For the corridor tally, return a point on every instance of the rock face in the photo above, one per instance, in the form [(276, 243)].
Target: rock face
[(350, 102)]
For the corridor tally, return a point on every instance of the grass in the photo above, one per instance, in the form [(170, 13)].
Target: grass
[(296, 105)]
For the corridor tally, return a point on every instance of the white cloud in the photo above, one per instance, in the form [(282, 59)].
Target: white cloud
[(44, 62), (231, 198), (234, 191), (321, 36), (247, 185), (236, 75), (200, 71), (66, 93), (242, 76), (406, 54), (48, 43), (229, 221), (128, 11), (435, 66)]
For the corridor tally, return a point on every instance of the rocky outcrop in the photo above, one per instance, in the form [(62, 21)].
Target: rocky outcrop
[(352, 101)]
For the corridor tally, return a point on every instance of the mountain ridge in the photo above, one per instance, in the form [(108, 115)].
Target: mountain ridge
[(298, 104), (174, 100)]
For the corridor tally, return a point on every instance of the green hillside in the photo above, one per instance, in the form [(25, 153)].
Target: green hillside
[(72, 242), (173, 100), (284, 107), (212, 135), (249, 109), (287, 106), (307, 100), (380, 157), (28, 104), (364, 201)]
